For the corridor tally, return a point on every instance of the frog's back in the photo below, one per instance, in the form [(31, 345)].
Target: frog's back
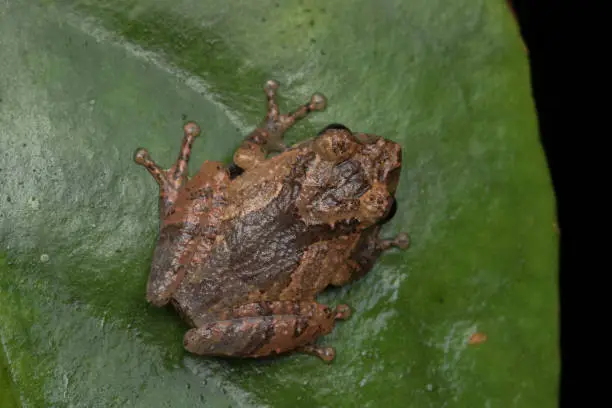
[(254, 252)]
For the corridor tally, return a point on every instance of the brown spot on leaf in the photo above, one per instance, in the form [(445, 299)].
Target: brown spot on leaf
[(477, 338)]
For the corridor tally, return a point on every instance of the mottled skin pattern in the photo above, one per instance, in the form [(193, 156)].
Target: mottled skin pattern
[(244, 249)]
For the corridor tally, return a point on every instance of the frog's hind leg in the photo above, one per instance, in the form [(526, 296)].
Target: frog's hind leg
[(324, 353), (269, 135), (171, 180), (266, 328)]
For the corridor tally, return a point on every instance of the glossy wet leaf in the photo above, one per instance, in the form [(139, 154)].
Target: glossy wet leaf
[(84, 83)]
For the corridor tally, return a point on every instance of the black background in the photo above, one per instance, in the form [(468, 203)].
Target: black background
[(552, 79)]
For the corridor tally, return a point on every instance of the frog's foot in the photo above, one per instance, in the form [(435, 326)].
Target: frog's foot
[(276, 124), (400, 241), (172, 179), (265, 328), (269, 135), (326, 354), (342, 312)]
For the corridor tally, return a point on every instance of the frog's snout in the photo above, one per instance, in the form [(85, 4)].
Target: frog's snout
[(376, 203)]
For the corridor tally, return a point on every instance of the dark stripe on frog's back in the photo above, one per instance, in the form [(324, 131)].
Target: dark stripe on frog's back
[(261, 252), (258, 249)]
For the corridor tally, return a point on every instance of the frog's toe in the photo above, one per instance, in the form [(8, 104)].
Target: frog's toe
[(401, 241), (191, 129), (326, 354), (271, 86), (141, 155), (317, 102), (343, 312)]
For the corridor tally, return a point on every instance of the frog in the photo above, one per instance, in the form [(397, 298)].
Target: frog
[(244, 249)]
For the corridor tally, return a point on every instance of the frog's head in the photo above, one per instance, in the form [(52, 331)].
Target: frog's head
[(364, 174)]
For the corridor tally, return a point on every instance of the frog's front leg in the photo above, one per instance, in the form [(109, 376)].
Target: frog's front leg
[(266, 328), (365, 254), (401, 241), (170, 181), (269, 135)]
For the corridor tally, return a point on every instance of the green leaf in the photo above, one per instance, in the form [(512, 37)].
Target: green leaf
[(84, 83)]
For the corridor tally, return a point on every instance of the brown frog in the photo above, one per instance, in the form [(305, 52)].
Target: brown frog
[(244, 249)]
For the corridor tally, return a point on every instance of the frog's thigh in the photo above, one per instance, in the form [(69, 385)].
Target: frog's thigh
[(309, 309), (253, 332)]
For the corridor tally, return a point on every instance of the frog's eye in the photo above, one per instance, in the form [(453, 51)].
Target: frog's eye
[(336, 144), (391, 212), (338, 126)]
